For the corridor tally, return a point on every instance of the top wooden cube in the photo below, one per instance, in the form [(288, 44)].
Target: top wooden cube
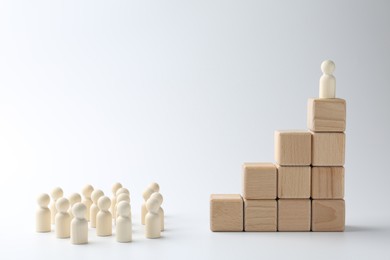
[(326, 114), (293, 148)]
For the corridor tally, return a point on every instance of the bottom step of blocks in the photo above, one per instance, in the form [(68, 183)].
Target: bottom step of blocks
[(328, 215), (260, 215), (294, 214), (226, 212)]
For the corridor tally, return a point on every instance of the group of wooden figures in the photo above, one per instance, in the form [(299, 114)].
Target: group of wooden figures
[(70, 216)]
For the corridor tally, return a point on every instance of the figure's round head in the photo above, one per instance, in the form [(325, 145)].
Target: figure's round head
[(62, 205), (104, 203), (123, 209), (146, 194), (154, 186), (96, 194), (57, 193), (123, 197), (157, 196), (116, 187), (122, 190), (43, 200), (79, 210), (74, 198), (153, 205), (87, 191), (328, 67)]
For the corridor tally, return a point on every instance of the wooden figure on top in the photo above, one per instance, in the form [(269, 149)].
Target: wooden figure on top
[(327, 80)]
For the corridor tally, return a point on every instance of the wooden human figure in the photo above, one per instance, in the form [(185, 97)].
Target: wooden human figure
[(56, 193), (42, 215), (114, 189), (62, 221), (104, 217), (154, 186), (121, 197), (87, 191), (123, 223), (152, 220), (73, 199), (79, 225), (95, 196), (159, 197), (327, 80), (144, 209)]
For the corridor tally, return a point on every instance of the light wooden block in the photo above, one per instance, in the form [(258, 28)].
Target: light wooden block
[(326, 115), (292, 148), (294, 215), (328, 215), (260, 215), (226, 212), (294, 182), (328, 149), (327, 182), (259, 181)]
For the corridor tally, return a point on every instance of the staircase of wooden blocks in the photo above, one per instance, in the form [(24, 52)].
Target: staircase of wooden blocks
[(303, 190)]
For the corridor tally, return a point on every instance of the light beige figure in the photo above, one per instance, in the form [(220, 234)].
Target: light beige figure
[(114, 189), (56, 193), (79, 225), (123, 222), (144, 210), (122, 190), (42, 215), (121, 197), (73, 199), (104, 218), (95, 196), (62, 221), (327, 80), (152, 220), (159, 197), (154, 186), (87, 192)]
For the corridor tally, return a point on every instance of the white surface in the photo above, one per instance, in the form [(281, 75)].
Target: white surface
[(182, 93)]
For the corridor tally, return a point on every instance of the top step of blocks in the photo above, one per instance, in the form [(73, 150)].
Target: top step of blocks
[(326, 114)]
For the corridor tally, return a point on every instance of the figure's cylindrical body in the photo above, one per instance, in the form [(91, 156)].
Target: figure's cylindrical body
[(79, 231), (92, 216), (104, 223), (152, 225), (62, 222), (43, 220), (123, 229)]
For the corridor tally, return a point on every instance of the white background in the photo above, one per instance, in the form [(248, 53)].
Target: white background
[(182, 93)]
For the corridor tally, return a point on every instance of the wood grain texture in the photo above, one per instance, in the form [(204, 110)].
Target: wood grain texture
[(328, 215), (259, 181), (326, 115), (327, 182), (294, 215), (260, 215), (328, 149), (226, 212), (293, 148), (294, 182)]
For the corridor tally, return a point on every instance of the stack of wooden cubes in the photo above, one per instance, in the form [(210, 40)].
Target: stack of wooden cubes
[(303, 190)]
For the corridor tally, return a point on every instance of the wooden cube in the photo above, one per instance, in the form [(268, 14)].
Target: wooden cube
[(328, 215), (326, 114), (294, 182), (226, 212), (259, 181), (294, 215), (328, 149), (292, 148), (260, 215), (327, 182)]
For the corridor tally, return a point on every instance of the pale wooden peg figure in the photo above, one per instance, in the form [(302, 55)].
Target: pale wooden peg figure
[(154, 186), (73, 199), (159, 197), (87, 192), (104, 218), (122, 190), (79, 225), (152, 219), (114, 189), (56, 193), (123, 223), (62, 221), (42, 215), (95, 196), (327, 80), (146, 194), (121, 197)]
